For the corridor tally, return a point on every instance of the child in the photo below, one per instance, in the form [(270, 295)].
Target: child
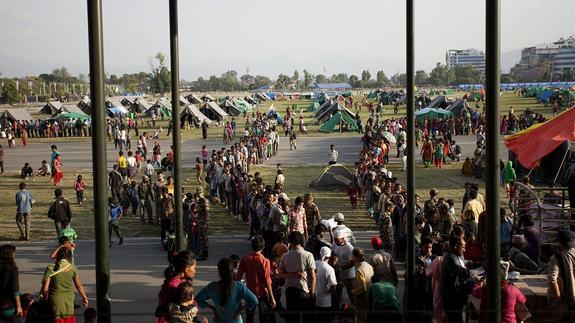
[(185, 309), (90, 315), (26, 171), (149, 168), (68, 232), (138, 161), (199, 170), (352, 193), (451, 212), (469, 222), (292, 140), (44, 169), (114, 216), (79, 186)]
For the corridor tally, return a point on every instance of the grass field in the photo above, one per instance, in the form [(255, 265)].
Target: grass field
[(508, 99), (449, 181)]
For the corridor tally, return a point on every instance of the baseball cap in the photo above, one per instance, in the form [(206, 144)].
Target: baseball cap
[(376, 242), (338, 217), (325, 252)]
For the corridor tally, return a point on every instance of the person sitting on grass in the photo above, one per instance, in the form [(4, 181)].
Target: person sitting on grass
[(44, 170), (26, 171)]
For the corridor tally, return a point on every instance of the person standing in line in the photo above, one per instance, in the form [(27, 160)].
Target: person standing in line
[(1, 160), (166, 215), (24, 203), (146, 197), (333, 155), (454, 281), (297, 267), (256, 268), (325, 287), (158, 185), (59, 210), (11, 306)]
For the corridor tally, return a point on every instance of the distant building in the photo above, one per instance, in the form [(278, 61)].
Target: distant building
[(473, 57), (557, 56), (565, 59)]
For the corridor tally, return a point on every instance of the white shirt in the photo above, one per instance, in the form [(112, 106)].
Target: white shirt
[(333, 155), (131, 161), (345, 255), (325, 279)]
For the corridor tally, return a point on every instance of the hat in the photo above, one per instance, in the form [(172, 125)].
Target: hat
[(376, 242), (283, 196), (325, 252), (338, 217), (518, 239)]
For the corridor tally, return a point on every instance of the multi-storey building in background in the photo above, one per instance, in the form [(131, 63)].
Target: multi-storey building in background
[(555, 58), (471, 56)]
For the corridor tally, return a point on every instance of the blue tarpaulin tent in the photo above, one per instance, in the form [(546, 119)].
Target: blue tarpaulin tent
[(331, 86)]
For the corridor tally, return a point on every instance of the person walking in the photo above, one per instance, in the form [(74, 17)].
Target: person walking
[(229, 297), (454, 278), (79, 186), (57, 171), (333, 155), (114, 215), (10, 304), (1, 160), (256, 269), (116, 182), (59, 210), (58, 286), (297, 267), (24, 203)]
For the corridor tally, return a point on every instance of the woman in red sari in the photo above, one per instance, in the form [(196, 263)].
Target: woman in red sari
[(57, 171)]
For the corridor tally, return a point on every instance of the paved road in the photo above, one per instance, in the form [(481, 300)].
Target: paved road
[(136, 270), (311, 151)]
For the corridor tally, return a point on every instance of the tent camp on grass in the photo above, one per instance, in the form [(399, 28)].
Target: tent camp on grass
[(85, 105), (140, 105), (14, 115), (243, 105), (339, 122), (440, 102), (431, 113), (273, 114), (313, 107), (230, 108), (333, 177), (51, 107), (115, 108), (194, 99), (70, 115), (213, 111), (457, 107), (162, 107), (325, 113), (208, 98), (192, 114)]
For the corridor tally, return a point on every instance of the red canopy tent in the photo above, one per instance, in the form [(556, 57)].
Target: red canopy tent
[(537, 141)]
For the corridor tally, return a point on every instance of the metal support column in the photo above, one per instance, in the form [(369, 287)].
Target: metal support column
[(176, 133), (492, 46), (410, 70), (97, 93)]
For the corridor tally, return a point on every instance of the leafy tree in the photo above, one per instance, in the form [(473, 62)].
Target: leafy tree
[(381, 78), (295, 78), (365, 77), (229, 81), (214, 83), (465, 74), (438, 75), (320, 78), (307, 78), (61, 74), (507, 78), (399, 79), (10, 92), (247, 79), (283, 82), (161, 76), (339, 78), (420, 78), (114, 79), (354, 81), (260, 81)]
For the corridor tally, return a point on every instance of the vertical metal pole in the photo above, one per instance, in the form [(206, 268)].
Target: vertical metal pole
[(176, 133), (492, 42), (97, 93), (410, 70)]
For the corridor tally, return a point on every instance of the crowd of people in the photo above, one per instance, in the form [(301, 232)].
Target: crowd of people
[(313, 261)]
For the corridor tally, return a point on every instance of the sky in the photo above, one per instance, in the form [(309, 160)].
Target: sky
[(267, 37)]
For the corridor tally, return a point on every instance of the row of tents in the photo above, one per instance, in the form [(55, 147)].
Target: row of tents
[(332, 114)]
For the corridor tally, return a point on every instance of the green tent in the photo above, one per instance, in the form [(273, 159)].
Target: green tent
[(313, 107), (340, 120), (372, 95), (71, 115), (242, 105), (431, 113)]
